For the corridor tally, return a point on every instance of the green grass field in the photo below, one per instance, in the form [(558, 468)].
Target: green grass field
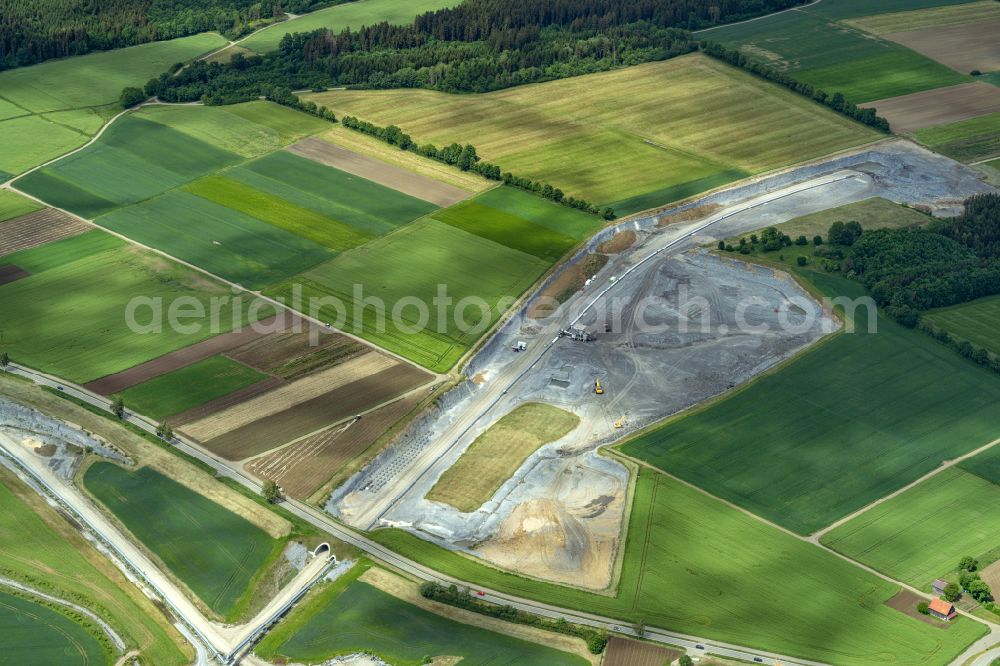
[(846, 423), (68, 317), (189, 387), (815, 49), (39, 548), (694, 565), (522, 221), (874, 213), (216, 553), (903, 537), (350, 616), (14, 205), (691, 123), (967, 140), (223, 241), (933, 17), (33, 634), (408, 266), (367, 206), (300, 221), (346, 15), (52, 108), (499, 452), (985, 465), (975, 321), (250, 129), (134, 160)]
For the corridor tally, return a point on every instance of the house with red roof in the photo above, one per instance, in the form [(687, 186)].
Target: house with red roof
[(941, 609)]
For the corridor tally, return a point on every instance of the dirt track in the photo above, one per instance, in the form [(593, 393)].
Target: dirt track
[(398, 179), (937, 107)]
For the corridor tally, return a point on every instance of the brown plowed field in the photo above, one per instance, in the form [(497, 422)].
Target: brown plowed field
[(401, 180), (183, 357), (626, 652), (302, 468), (38, 228), (937, 107), (12, 273), (289, 396), (961, 47), (226, 401), (292, 355), (991, 575), (262, 427)]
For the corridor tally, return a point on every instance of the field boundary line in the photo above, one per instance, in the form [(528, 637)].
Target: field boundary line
[(758, 18), (105, 626), (947, 464), (238, 288)]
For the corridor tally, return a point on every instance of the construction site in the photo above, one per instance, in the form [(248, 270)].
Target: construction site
[(663, 325)]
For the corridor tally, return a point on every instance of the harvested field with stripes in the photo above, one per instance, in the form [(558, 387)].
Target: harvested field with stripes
[(225, 402), (375, 170), (183, 357), (254, 423), (626, 652), (307, 416), (37, 229), (11, 273), (302, 468), (290, 355)]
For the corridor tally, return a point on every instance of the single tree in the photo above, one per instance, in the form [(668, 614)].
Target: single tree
[(118, 407), (131, 96), (817, 240), (4, 360), (801, 240), (801, 261), (722, 246), (164, 431), (980, 591), (923, 608), (968, 563), (952, 592), (639, 628), (685, 661), (271, 491)]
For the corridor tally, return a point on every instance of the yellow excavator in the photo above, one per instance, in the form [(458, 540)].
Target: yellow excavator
[(622, 422), (597, 386)]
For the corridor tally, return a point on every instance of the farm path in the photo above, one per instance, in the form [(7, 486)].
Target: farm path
[(323, 521), (816, 536), (237, 288), (225, 641), (766, 16), (105, 627)]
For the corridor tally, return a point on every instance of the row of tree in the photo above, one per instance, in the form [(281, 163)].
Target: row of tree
[(451, 595), (835, 101), (466, 158), (32, 31)]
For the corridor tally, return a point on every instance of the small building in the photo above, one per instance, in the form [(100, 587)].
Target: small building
[(939, 586), (941, 609)]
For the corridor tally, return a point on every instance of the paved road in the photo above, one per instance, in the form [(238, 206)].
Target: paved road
[(223, 641), (326, 523)]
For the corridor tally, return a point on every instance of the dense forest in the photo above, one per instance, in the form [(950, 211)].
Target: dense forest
[(478, 46), (911, 270), (32, 31)]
